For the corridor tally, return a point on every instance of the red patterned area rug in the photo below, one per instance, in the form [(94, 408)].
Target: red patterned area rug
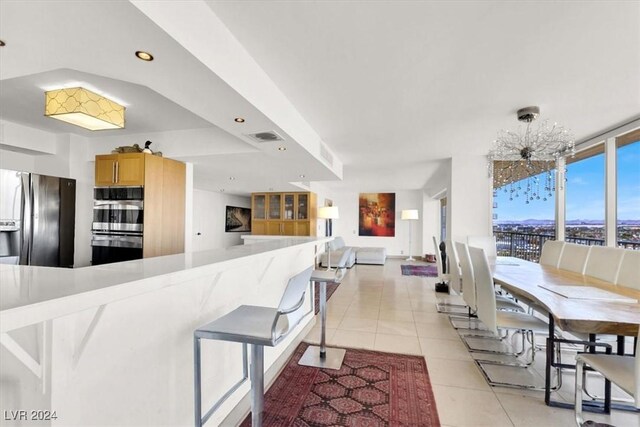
[(331, 288), (371, 389)]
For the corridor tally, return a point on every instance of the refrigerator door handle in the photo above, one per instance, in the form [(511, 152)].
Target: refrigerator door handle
[(27, 226)]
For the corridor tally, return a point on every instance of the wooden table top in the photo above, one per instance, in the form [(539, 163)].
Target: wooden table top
[(577, 315)]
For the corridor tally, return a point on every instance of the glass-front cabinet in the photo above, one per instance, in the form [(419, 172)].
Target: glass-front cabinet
[(284, 214), (275, 200), (302, 207), (289, 204), (259, 206)]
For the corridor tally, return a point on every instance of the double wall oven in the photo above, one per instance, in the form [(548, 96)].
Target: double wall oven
[(118, 218)]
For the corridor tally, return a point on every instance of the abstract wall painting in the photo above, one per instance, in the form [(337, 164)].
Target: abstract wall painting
[(377, 214)]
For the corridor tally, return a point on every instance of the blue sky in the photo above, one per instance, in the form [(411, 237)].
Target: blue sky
[(585, 191)]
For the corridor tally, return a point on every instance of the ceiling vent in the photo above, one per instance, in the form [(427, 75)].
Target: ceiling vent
[(266, 136), (326, 154)]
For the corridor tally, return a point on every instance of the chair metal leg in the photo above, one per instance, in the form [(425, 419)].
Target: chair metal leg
[(197, 383), (256, 373), (579, 385)]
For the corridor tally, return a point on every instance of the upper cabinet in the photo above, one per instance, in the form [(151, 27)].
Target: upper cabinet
[(120, 169), (286, 214)]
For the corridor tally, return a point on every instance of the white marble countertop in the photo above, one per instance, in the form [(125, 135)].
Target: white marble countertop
[(31, 294)]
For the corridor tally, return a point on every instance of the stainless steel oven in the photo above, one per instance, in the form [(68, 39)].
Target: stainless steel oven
[(118, 224), (119, 209)]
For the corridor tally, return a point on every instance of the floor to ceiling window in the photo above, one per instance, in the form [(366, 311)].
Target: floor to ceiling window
[(628, 191), (522, 226), (585, 197)]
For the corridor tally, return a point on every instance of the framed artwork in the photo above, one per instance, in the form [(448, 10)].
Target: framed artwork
[(377, 214), (237, 219)]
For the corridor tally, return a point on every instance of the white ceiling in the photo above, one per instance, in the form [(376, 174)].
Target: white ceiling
[(22, 101), (393, 88), (57, 42), (385, 83)]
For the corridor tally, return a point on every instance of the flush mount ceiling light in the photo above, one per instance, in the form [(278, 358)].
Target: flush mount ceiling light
[(145, 56), (301, 176), (282, 148), (238, 120), (83, 108), (527, 153)]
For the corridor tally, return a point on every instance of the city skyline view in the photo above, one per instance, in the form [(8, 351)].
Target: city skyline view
[(585, 196)]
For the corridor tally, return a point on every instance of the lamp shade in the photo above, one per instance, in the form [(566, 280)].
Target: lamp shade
[(328, 212), (84, 108), (410, 214)]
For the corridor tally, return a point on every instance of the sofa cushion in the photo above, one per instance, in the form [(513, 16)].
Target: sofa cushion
[(371, 256)]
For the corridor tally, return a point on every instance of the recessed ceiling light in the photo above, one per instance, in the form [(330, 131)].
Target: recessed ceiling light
[(2, 43), (238, 120), (232, 178), (282, 148), (301, 176), (145, 56)]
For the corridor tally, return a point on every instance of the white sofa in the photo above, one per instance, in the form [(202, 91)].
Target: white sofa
[(337, 248), (371, 256), (358, 255)]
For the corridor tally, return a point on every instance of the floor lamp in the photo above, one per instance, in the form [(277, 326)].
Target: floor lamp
[(328, 213), (410, 214)]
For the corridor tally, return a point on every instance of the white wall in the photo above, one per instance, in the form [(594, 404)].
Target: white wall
[(469, 198), (347, 225), (430, 223), (209, 210)]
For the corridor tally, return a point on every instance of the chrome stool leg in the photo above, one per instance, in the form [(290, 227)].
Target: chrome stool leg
[(323, 357), (256, 372)]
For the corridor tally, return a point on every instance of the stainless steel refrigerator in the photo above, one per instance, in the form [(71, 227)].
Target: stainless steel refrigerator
[(37, 219)]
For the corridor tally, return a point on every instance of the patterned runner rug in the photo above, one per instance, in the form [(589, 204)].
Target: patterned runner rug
[(331, 288), (372, 389), (419, 270)]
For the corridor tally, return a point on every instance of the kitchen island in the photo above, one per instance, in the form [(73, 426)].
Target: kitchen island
[(113, 344)]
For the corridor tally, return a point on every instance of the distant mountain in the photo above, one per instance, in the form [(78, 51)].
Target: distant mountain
[(541, 222)]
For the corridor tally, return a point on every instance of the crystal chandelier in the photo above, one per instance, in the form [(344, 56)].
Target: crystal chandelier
[(522, 162)]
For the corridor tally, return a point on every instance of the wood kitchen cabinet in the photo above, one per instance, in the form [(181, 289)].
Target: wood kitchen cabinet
[(164, 183), (285, 214), (120, 169)]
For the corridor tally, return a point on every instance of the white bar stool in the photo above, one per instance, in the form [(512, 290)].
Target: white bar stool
[(255, 326), (321, 356)]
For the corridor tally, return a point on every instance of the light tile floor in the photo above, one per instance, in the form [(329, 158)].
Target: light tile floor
[(377, 308)]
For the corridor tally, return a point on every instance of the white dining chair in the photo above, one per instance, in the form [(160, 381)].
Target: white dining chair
[(469, 289), (455, 275), (624, 371), (453, 303), (488, 243), (629, 274), (494, 319), (604, 263), (574, 257), (551, 253)]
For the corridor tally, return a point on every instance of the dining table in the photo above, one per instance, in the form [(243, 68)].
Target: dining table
[(575, 303)]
